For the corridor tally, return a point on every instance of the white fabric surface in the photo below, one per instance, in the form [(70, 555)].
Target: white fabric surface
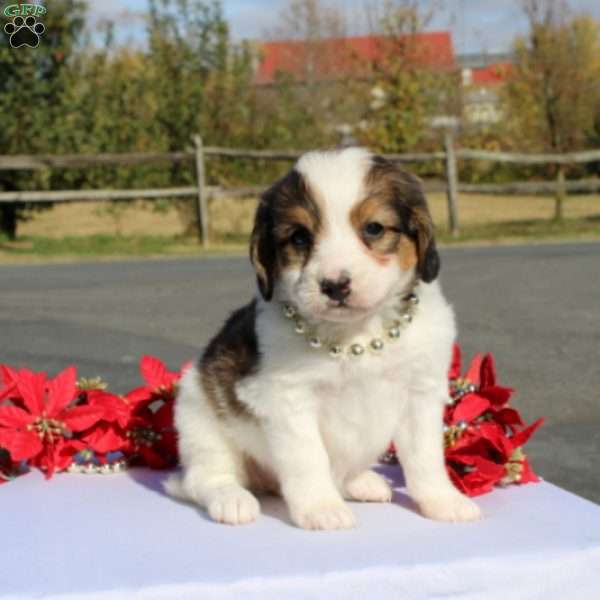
[(84, 537)]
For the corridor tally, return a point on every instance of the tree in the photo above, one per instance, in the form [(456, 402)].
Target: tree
[(406, 86), (552, 97), (31, 95)]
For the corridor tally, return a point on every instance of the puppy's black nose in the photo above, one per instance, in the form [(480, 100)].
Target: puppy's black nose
[(336, 290)]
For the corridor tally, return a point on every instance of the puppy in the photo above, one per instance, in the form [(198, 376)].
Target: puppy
[(345, 348)]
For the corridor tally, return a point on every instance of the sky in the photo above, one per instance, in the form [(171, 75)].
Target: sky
[(476, 25)]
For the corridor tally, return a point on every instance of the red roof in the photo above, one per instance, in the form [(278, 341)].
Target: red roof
[(491, 74), (334, 57)]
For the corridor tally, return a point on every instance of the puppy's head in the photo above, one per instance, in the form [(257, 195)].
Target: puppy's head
[(341, 233)]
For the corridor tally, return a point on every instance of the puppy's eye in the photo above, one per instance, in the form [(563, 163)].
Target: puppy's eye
[(373, 230), (301, 238)]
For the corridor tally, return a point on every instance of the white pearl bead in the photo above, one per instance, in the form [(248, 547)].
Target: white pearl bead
[(335, 350), (393, 333), (315, 342), (357, 349), (377, 344)]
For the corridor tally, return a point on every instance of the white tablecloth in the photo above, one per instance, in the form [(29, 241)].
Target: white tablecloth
[(84, 537)]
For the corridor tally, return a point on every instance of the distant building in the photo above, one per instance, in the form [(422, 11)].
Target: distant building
[(335, 58), (327, 61), (482, 75)]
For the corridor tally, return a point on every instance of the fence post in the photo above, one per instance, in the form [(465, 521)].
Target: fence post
[(452, 178), (201, 204), (560, 194)]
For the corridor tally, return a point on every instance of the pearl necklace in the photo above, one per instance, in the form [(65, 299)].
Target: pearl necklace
[(405, 310)]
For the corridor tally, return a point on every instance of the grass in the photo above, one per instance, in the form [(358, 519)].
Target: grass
[(93, 230), (32, 248), (525, 231)]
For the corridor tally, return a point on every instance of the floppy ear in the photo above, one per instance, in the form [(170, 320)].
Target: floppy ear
[(263, 248), (428, 259)]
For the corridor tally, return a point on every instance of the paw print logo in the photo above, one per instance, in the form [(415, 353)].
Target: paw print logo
[(24, 32)]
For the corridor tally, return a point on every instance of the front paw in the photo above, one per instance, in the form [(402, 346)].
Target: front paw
[(449, 506), (369, 487), (232, 505), (325, 515)]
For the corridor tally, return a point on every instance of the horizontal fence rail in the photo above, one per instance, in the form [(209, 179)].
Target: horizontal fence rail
[(23, 162), (201, 193)]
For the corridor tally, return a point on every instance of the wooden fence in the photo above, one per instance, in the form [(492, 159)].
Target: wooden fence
[(201, 192)]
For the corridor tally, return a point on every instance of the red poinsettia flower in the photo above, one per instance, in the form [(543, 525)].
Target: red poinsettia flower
[(41, 429), (152, 437), (484, 436), (145, 434), (159, 381)]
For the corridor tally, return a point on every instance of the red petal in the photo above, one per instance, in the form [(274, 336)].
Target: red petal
[(163, 417), (509, 416), (81, 417), (138, 395), (61, 390), (153, 372), (8, 374), (521, 438), (7, 391), (496, 394), (14, 417), (115, 407), (496, 435), (454, 371), (32, 388), (50, 460), (488, 371), (469, 407), (22, 445), (105, 438), (473, 373)]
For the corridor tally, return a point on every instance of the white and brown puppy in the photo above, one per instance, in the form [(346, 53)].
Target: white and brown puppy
[(346, 348)]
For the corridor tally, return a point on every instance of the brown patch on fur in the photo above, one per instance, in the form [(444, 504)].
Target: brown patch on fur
[(400, 192), (407, 253), (287, 207), (231, 355), (377, 208)]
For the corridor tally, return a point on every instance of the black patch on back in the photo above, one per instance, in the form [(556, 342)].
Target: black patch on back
[(230, 356)]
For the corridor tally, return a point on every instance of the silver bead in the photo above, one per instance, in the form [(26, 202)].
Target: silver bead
[(105, 469), (394, 333), (300, 327), (315, 342), (357, 349), (90, 468), (407, 317), (289, 311), (377, 344), (446, 429), (450, 401), (335, 350), (412, 299), (471, 388), (462, 425)]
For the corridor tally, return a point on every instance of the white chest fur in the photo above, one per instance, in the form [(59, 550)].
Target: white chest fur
[(354, 402)]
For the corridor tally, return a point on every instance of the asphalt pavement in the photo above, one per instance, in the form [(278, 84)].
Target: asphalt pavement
[(536, 308)]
